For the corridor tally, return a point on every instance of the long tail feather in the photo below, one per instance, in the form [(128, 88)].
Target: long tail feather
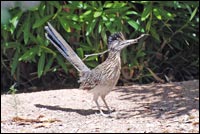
[(63, 47)]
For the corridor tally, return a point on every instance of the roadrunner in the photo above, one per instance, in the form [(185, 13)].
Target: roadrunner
[(102, 79)]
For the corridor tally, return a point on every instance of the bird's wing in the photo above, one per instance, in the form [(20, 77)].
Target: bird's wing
[(63, 47)]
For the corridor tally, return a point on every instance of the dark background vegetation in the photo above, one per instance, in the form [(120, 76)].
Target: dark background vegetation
[(29, 62)]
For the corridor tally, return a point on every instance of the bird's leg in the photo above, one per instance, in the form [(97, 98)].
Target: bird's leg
[(101, 112), (109, 110)]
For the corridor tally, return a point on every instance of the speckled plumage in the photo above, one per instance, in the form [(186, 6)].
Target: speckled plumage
[(102, 79)]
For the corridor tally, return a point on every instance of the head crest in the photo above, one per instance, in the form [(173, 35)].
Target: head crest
[(116, 36)]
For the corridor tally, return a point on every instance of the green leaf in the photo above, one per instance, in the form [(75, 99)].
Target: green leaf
[(86, 13), (91, 27), (154, 34), (48, 50), (193, 13), (115, 10), (97, 14), (41, 21), (89, 43), (40, 40), (48, 65), (86, 47), (103, 35), (62, 63), (165, 14), (100, 27), (134, 24), (55, 3), (74, 25), (80, 52), (64, 24), (91, 58), (160, 13), (131, 12), (148, 26), (108, 5), (108, 24), (20, 30), (92, 64), (26, 30), (146, 12), (29, 55), (75, 17), (41, 65), (135, 62), (157, 13), (119, 4), (104, 18), (140, 53), (8, 45), (14, 63)]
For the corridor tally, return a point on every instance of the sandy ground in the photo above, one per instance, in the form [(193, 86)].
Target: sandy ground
[(171, 107)]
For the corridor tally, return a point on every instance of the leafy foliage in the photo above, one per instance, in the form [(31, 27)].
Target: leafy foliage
[(171, 53)]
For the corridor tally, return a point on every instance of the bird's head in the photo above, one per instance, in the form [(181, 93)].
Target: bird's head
[(117, 41)]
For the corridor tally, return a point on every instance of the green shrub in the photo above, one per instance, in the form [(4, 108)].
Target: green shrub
[(171, 53)]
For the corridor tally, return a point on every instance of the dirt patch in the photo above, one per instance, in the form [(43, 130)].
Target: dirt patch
[(172, 107)]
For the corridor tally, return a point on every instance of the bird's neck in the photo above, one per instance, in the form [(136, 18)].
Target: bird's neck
[(114, 56)]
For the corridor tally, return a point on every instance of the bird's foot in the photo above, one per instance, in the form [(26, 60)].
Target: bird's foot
[(103, 114), (111, 110)]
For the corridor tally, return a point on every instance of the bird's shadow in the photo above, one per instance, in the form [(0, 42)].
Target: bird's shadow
[(79, 111)]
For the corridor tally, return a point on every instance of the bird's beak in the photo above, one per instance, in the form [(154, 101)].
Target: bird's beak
[(132, 41)]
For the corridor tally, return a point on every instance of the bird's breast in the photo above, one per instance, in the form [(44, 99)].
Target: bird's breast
[(104, 75)]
